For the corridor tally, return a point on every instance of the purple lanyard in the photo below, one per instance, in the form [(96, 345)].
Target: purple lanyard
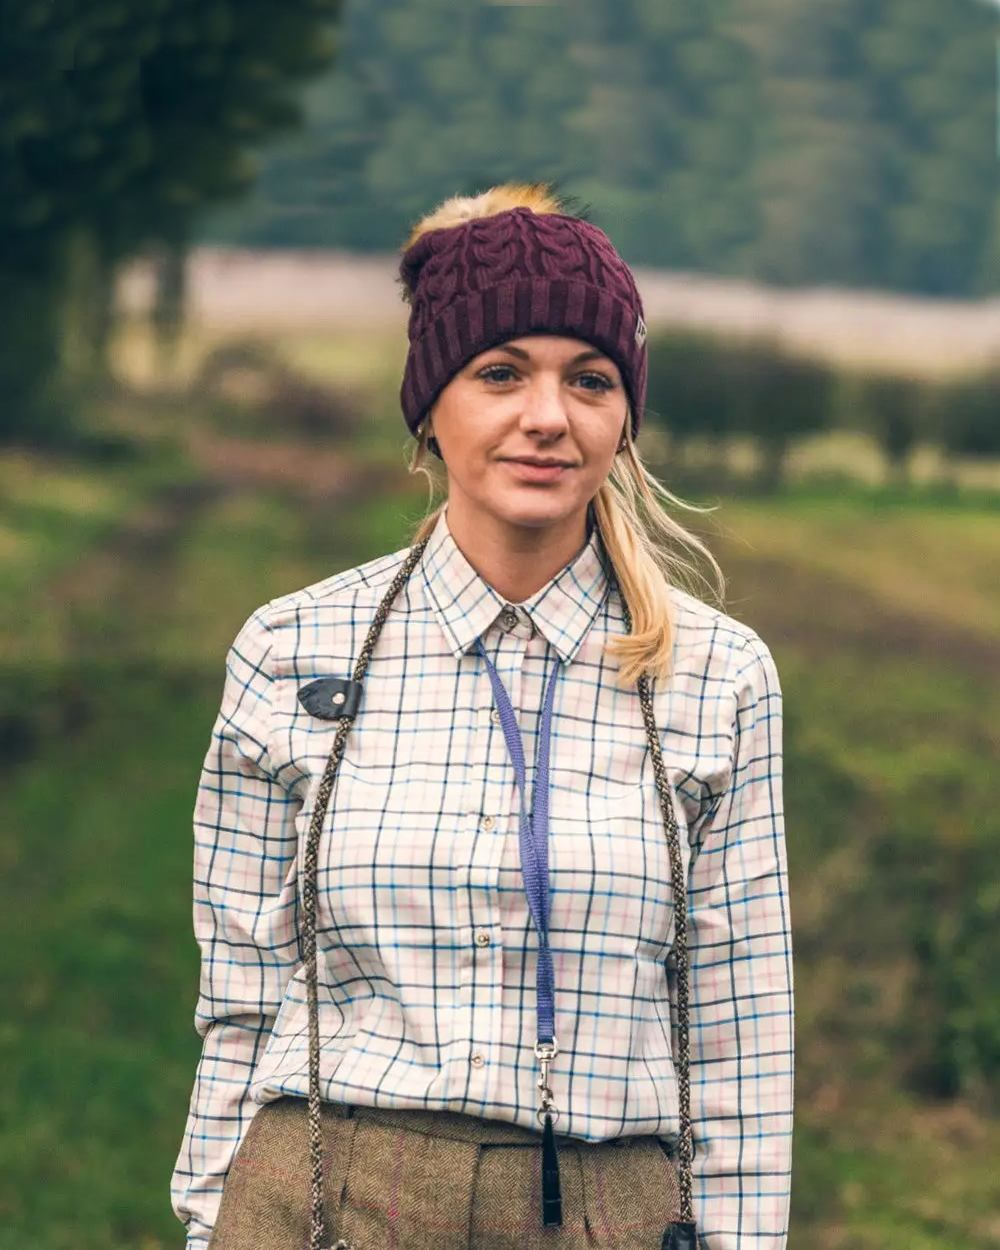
[(534, 843)]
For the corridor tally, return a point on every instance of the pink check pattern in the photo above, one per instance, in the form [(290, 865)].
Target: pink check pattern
[(427, 952)]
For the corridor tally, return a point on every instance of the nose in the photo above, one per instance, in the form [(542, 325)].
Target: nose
[(544, 408)]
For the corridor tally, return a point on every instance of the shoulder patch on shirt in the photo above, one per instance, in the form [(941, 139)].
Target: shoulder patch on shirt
[(330, 698)]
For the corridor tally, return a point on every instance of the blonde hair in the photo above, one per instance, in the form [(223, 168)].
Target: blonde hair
[(642, 540)]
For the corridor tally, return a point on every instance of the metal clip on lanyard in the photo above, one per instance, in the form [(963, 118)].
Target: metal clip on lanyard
[(335, 698), (534, 838)]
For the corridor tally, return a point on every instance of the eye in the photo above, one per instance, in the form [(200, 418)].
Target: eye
[(605, 383), (492, 369), (490, 372)]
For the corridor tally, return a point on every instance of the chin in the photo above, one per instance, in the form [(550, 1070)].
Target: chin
[(544, 513)]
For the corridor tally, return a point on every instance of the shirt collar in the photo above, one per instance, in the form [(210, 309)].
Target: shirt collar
[(466, 605)]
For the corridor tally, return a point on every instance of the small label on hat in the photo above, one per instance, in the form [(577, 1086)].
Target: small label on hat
[(640, 330)]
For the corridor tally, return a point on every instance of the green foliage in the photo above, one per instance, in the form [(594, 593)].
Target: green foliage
[(128, 115), (966, 413), (119, 122), (954, 930), (894, 409), (892, 841), (782, 140), (705, 385), (689, 384), (894, 830)]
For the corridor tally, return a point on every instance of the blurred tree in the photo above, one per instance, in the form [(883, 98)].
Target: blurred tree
[(776, 139), (119, 122), (776, 397), (703, 385), (932, 79), (638, 108), (453, 97), (660, 143), (892, 408), (964, 414), (818, 169), (688, 388), (167, 314)]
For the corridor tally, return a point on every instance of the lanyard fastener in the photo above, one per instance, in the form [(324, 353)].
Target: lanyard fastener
[(546, 1052)]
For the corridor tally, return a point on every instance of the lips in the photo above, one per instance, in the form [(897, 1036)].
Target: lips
[(531, 472), (540, 464)]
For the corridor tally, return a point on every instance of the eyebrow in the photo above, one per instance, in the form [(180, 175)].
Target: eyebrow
[(593, 354)]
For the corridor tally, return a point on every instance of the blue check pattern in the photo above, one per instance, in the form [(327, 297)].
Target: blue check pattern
[(427, 951)]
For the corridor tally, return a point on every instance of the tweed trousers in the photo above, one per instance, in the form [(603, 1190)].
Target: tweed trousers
[(401, 1179)]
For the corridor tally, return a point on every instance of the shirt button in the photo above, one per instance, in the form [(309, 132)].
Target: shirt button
[(487, 823), (509, 617), (478, 1060), (482, 937)]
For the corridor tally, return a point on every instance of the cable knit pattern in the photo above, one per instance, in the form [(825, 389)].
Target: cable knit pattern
[(501, 275)]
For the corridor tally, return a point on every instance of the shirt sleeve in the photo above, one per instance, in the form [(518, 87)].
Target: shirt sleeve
[(741, 1030), (245, 923)]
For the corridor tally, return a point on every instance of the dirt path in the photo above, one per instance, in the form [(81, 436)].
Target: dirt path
[(95, 601), (816, 613)]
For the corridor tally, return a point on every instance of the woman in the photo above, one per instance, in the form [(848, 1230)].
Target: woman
[(460, 987)]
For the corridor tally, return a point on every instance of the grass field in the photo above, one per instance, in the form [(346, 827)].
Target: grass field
[(125, 586)]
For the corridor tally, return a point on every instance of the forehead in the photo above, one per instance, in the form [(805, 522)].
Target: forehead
[(556, 346)]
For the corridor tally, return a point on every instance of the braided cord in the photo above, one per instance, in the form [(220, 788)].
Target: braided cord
[(680, 936), (309, 892)]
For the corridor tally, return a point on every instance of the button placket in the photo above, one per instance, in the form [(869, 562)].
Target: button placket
[(509, 659), (515, 631)]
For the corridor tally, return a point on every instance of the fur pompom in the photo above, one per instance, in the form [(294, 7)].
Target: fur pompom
[(538, 196)]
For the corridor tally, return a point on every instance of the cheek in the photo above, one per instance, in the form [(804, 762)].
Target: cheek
[(600, 449), (461, 417), (473, 433)]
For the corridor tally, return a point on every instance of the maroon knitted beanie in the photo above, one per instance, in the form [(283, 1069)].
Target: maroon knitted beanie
[(501, 274)]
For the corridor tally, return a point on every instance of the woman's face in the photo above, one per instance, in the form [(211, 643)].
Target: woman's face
[(540, 396)]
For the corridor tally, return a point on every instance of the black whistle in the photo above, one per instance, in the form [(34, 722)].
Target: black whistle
[(680, 1235), (551, 1195)]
